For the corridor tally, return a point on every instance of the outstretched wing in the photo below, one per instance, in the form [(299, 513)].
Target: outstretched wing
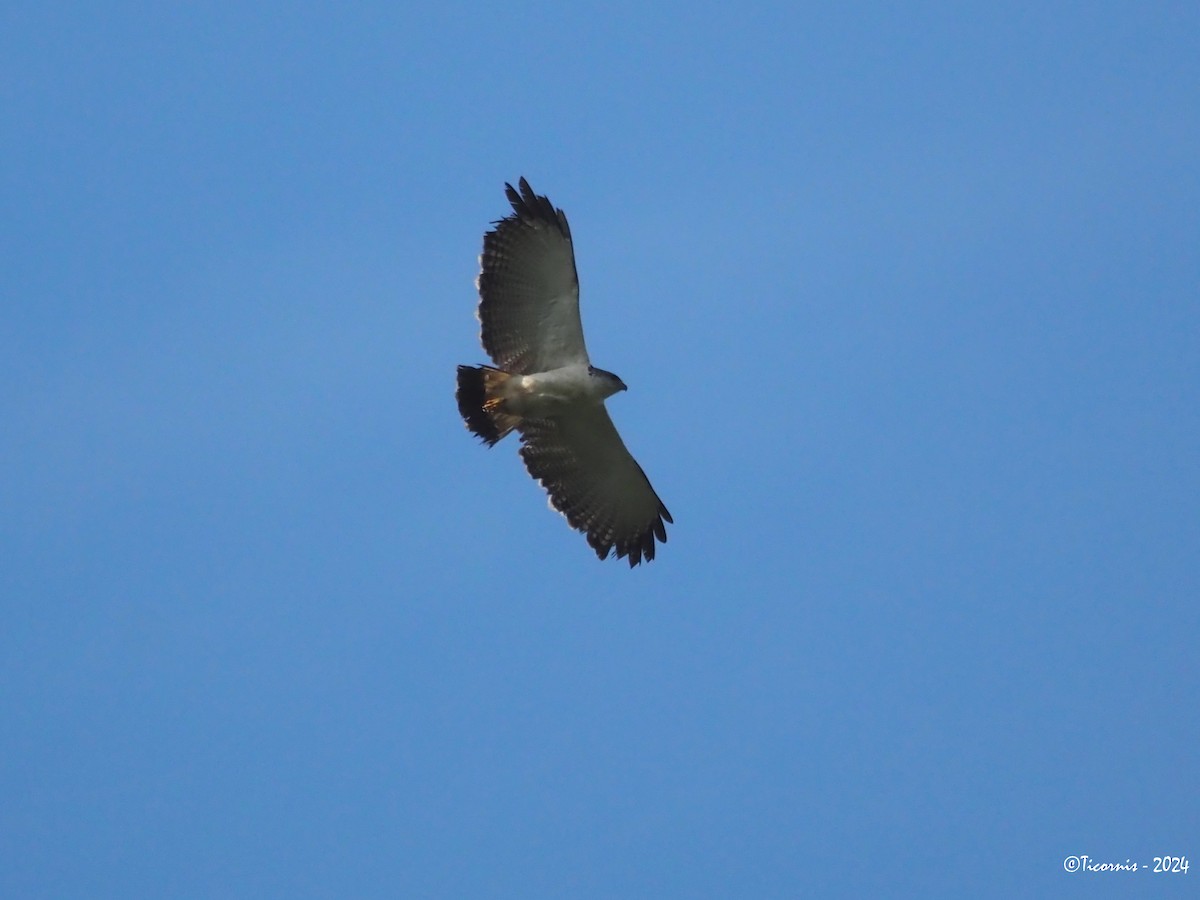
[(592, 479), (528, 288)]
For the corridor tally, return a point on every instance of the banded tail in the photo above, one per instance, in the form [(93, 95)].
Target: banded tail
[(481, 404)]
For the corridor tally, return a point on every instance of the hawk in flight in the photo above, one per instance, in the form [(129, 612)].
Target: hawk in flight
[(544, 385)]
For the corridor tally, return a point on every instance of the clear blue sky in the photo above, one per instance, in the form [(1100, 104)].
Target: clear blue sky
[(908, 300)]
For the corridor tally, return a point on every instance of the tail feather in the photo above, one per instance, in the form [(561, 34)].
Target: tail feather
[(481, 405)]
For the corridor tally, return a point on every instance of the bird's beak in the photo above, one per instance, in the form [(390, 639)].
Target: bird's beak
[(624, 386)]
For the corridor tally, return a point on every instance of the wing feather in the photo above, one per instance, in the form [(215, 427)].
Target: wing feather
[(529, 289), (592, 479)]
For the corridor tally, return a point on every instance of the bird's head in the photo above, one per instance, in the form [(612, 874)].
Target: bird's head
[(612, 384)]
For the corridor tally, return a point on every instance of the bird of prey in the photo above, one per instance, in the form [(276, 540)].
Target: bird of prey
[(544, 386)]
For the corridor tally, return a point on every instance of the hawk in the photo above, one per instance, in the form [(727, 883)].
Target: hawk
[(544, 386)]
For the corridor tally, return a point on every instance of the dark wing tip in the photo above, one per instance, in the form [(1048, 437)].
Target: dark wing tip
[(514, 198), (530, 206), (637, 549)]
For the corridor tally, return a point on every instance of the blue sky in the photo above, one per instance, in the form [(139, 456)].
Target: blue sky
[(908, 300)]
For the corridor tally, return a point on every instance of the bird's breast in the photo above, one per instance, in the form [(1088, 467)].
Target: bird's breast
[(545, 393)]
